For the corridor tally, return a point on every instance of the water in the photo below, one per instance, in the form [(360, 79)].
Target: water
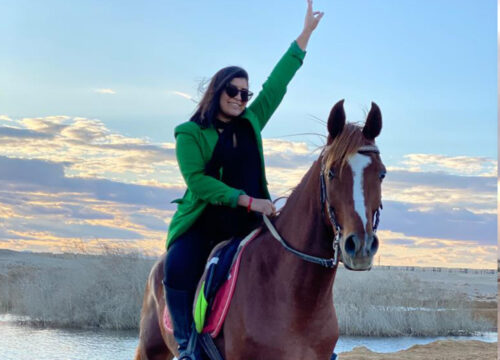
[(392, 344), (23, 342)]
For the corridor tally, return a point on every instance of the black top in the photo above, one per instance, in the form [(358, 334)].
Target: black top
[(237, 154)]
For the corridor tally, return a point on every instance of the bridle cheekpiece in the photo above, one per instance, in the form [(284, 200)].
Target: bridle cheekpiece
[(337, 228)]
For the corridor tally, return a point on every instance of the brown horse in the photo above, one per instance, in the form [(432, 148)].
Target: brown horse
[(283, 305)]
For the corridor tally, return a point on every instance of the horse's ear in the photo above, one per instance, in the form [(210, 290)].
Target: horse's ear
[(373, 124), (336, 121)]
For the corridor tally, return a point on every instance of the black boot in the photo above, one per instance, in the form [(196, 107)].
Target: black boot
[(180, 304)]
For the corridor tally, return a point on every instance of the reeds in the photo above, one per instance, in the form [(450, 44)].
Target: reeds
[(106, 291), (102, 291), (398, 303)]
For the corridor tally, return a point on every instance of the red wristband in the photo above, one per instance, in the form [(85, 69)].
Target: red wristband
[(249, 207)]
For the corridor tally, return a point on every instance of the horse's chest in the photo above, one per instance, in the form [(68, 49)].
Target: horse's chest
[(278, 338), (280, 350)]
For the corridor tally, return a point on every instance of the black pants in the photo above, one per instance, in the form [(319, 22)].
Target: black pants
[(187, 256)]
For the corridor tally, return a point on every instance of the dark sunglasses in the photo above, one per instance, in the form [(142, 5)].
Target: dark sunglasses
[(232, 91)]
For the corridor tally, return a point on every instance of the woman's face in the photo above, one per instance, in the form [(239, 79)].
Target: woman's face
[(232, 106)]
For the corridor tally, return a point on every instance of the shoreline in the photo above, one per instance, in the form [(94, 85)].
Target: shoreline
[(348, 348), (399, 343), (26, 321), (437, 350)]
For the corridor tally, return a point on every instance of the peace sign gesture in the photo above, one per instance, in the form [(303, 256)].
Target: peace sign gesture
[(312, 17), (310, 23)]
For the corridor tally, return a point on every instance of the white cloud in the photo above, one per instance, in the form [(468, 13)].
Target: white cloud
[(89, 148), (184, 95), (105, 91), (431, 190), (399, 249), (99, 179), (273, 146), (45, 125), (459, 165), (85, 130), (5, 118)]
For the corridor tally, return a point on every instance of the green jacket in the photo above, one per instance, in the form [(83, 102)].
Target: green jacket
[(194, 147)]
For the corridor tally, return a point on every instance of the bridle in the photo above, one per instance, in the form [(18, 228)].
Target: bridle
[(337, 228)]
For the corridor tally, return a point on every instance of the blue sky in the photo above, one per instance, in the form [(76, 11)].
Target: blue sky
[(430, 65), (110, 73)]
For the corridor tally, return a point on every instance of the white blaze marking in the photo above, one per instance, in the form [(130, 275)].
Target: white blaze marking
[(358, 164)]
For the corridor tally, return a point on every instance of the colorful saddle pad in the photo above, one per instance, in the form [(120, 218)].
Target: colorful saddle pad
[(210, 309)]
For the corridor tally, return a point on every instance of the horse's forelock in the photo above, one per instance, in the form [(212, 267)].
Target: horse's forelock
[(343, 146), (339, 150)]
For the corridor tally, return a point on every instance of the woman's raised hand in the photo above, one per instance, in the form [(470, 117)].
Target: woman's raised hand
[(310, 23), (312, 17)]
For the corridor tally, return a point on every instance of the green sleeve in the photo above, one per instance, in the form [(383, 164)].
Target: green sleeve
[(274, 88), (192, 166)]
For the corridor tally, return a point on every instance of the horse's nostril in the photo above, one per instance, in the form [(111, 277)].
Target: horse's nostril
[(350, 246), (374, 246)]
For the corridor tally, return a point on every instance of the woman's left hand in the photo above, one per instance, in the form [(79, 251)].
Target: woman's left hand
[(312, 18), (310, 23)]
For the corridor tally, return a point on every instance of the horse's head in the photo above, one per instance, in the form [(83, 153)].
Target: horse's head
[(353, 172)]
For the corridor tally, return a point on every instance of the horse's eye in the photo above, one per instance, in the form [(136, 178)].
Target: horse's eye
[(382, 175), (331, 174)]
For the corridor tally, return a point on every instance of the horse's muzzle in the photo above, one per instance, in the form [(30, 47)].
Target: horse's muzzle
[(358, 254)]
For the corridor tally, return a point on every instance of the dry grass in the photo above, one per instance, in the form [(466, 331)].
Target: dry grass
[(392, 303), (105, 291), (92, 291)]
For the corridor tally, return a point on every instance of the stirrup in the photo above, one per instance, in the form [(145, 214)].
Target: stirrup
[(190, 351)]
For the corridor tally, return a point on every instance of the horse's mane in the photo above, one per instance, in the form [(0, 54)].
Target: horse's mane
[(343, 146), (337, 151)]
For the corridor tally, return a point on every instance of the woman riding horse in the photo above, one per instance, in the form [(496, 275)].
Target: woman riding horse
[(220, 156)]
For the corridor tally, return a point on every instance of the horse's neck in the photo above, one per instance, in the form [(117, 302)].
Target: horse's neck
[(301, 221), (302, 226)]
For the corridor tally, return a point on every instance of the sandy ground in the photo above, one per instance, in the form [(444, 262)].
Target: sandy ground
[(439, 350)]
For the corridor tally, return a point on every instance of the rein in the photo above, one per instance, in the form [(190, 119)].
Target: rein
[(326, 262), (329, 263)]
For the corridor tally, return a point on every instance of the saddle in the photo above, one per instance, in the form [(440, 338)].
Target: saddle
[(216, 286)]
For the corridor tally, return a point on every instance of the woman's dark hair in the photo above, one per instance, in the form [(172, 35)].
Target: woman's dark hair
[(209, 107)]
